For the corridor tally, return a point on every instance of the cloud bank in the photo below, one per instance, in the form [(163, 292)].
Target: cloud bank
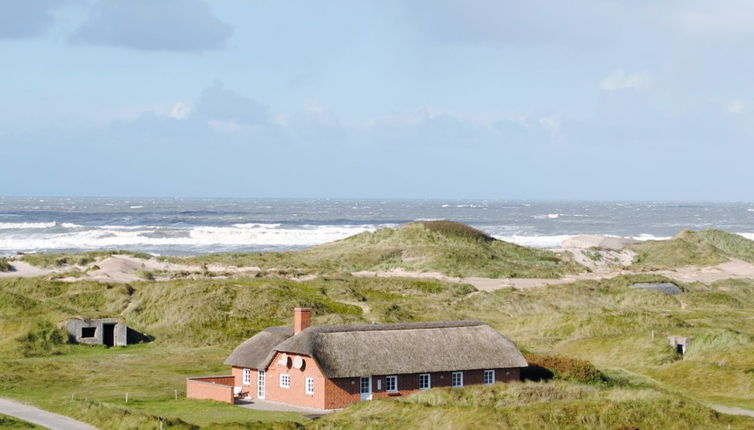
[(149, 25)]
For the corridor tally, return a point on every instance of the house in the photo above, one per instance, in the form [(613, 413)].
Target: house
[(103, 331), (330, 367)]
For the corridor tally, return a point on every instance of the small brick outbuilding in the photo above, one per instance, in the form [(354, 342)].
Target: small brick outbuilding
[(330, 367)]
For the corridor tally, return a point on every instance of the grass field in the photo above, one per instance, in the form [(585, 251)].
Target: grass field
[(197, 323)]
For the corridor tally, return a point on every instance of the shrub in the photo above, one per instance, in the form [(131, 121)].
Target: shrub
[(5, 265), (543, 367), (45, 339)]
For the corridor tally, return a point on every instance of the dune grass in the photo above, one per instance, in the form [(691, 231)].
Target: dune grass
[(81, 259), (435, 246), (5, 266), (556, 405), (196, 323), (701, 248)]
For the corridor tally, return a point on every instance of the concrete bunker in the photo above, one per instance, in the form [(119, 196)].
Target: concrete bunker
[(679, 343), (103, 331)]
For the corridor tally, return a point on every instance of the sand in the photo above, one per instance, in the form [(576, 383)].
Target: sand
[(613, 261)]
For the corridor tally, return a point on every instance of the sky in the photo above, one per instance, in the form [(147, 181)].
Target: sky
[(496, 99)]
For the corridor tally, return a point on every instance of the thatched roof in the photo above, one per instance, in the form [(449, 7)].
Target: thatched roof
[(380, 349), (255, 352)]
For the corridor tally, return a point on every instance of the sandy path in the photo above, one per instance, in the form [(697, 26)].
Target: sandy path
[(730, 410), (734, 269), (124, 268)]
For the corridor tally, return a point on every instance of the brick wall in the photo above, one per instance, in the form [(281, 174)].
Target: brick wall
[(219, 388), (342, 392), (296, 393), (238, 381)]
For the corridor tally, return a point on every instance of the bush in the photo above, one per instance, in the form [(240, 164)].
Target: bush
[(543, 367), (5, 265), (44, 340)]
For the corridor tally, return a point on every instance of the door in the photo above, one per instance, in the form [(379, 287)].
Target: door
[(108, 334), (260, 385), (365, 385)]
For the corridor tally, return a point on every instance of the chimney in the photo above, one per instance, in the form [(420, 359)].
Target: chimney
[(302, 319)]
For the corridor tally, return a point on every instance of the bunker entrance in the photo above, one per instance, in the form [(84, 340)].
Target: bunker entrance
[(679, 349), (108, 334)]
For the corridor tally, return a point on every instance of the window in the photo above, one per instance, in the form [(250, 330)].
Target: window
[(309, 385), (391, 384), (457, 380), (247, 376), (285, 380), (424, 381), (88, 331), (489, 377)]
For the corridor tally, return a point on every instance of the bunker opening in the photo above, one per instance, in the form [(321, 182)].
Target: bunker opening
[(88, 331), (108, 335)]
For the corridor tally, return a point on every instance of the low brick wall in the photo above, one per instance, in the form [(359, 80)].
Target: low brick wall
[(219, 388)]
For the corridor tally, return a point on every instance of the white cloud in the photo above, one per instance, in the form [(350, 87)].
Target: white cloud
[(180, 110), (552, 124), (736, 106), (620, 80)]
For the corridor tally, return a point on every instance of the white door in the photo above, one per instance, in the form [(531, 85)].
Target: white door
[(365, 387), (260, 385)]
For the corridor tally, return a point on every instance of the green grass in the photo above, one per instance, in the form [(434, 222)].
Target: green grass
[(555, 405), (197, 323), (438, 246), (702, 248), (11, 423)]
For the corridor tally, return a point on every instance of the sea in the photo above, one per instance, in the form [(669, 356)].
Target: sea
[(175, 226)]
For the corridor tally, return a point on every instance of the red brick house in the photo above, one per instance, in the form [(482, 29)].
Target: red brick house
[(330, 367)]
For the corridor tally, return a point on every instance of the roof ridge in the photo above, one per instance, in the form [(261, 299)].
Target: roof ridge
[(392, 326)]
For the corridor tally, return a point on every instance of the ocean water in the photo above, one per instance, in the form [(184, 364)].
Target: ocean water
[(194, 226)]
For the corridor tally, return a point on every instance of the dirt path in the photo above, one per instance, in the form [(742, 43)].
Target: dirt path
[(40, 417)]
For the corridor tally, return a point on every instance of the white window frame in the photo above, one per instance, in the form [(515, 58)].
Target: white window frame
[(491, 374), (246, 376), (456, 377), (429, 381), (261, 383), (394, 380), (285, 380), (309, 386)]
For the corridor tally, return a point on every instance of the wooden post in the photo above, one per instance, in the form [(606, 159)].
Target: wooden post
[(126, 397), (176, 394)]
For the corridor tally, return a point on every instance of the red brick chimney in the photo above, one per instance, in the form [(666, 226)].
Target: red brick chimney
[(302, 319)]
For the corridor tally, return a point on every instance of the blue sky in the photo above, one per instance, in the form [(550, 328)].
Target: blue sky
[(528, 99)]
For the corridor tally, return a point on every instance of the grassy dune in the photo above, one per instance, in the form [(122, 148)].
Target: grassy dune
[(437, 246), (701, 248), (556, 405), (196, 323)]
